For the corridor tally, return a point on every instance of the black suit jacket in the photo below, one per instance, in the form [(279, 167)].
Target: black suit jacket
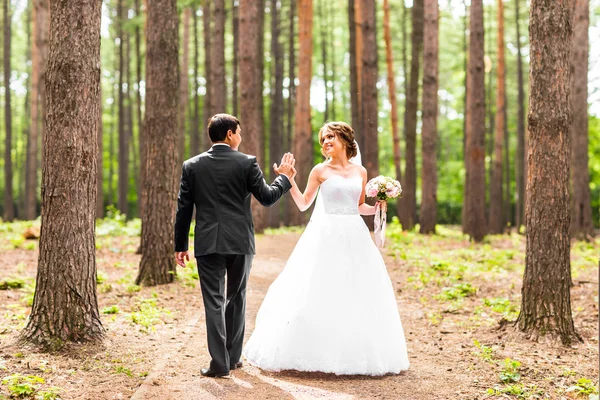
[(219, 183)]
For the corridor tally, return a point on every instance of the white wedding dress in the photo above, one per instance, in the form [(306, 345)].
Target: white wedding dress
[(332, 308)]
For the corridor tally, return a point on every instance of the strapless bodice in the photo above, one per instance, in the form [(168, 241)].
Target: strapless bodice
[(341, 195)]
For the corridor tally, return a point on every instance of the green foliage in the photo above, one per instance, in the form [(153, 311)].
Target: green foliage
[(519, 391), (49, 394), (594, 167), (22, 385), (115, 224), (457, 291), (110, 310), (148, 314), (12, 283), (584, 386), (502, 306), (119, 369), (101, 277), (188, 276), (510, 371), (485, 352)]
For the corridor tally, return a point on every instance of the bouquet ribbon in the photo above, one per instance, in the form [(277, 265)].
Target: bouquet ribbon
[(380, 219)]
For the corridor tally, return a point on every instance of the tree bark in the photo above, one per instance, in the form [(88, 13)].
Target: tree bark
[(408, 203), (391, 84), (546, 300), (496, 219), (323, 34), (354, 59), (65, 306), (465, 227), (303, 146), (430, 110), (184, 85), (140, 120), (99, 170), (38, 62), (276, 113), (582, 226), (157, 265), (520, 157), (287, 202), (218, 99), (123, 188), (9, 210), (207, 111), (475, 212), (251, 86), (236, 49), (196, 128), (370, 150)]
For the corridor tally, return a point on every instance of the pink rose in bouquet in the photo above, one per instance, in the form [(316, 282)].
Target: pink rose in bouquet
[(383, 188)]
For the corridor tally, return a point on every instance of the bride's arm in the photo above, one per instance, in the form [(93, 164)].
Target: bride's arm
[(364, 208), (304, 200)]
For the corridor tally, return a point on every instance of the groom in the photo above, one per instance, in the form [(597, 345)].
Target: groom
[(219, 183)]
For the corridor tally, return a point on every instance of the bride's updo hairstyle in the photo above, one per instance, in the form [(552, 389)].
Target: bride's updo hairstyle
[(344, 132)]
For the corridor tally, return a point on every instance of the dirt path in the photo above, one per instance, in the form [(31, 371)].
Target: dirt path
[(177, 374)]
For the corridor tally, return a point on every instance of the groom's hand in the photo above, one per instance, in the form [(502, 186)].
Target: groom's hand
[(286, 167), (181, 257)]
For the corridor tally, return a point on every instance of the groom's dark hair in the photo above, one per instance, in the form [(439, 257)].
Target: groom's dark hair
[(219, 124)]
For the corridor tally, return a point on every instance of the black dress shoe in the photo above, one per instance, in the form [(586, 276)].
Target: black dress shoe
[(237, 365), (209, 373)]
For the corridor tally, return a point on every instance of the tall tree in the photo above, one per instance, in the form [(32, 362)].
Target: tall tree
[(475, 204), (23, 178), (391, 87), (160, 186), (65, 306), (430, 111), (207, 108), (496, 219), (520, 157), (323, 33), (140, 120), (369, 88), (408, 215), (218, 99), (196, 129), (123, 188), (251, 86), (236, 49), (38, 62), (465, 118), (303, 145), (184, 85), (9, 210), (99, 169), (276, 112), (290, 103), (546, 299), (582, 225), (354, 60)]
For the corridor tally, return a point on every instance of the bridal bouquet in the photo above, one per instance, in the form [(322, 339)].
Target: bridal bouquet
[(382, 188)]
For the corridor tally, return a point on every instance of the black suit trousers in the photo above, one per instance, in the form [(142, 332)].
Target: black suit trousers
[(225, 311)]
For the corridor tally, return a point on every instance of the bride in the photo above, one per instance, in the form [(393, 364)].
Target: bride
[(333, 308)]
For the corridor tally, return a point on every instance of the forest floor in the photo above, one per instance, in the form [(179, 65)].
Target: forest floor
[(451, 296)]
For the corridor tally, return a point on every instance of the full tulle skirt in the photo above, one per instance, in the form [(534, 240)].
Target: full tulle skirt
[(332, 308)]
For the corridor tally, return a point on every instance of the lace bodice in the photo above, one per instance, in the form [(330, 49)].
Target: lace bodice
[(341, 195)]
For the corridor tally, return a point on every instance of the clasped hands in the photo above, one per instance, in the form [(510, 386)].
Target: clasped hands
[(286, 167)]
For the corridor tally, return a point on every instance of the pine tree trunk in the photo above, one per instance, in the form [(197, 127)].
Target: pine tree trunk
[(140, 120), (276, 112), (65, 306), (331, 26), (391, 84), (123, 137), (99, 177), (38, 60), (354, 59), (157, 265), (370, 150), (430, 110), (288, 204), (207, 109), (196, 129), (251, 90), (546, 300), (358, 26), (582, 226), (184, 85), (475, 212), (408, 203), (520, 157), (9, 211), (24, 178), (323, 34), (465, 227), (218, 98), (303, 146), (496, 219), (236, 50)]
